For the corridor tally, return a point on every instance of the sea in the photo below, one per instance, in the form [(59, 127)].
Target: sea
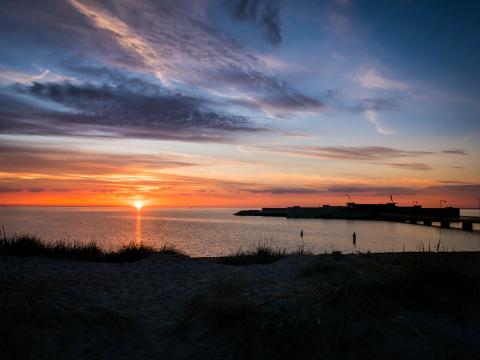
[(202, 232)]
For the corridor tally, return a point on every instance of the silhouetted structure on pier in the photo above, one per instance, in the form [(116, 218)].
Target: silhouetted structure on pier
[(387, 212)]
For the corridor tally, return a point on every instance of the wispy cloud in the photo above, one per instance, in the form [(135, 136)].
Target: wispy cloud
[(455, 152), (5, 190), (455, 182), (411, 166), (469, 188), (58, 162), (373, 189), (174, 41), (371, 79), (372, 116), (10, 76), (368, 153), (278, 190), (371, 108)]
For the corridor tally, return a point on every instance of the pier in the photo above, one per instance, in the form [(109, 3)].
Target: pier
[(379, 212), (445, 222)]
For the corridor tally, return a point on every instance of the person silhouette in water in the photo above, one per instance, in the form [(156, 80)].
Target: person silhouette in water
[(301, 233), (354, 238)]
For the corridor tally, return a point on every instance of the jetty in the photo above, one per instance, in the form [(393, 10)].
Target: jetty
[(415, 214)]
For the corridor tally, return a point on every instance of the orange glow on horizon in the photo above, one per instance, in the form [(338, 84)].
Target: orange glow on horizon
[(234, 199), (173, 190)]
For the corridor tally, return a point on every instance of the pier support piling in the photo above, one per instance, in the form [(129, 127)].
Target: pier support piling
[(445, 224), (427, 222), (467, 225)]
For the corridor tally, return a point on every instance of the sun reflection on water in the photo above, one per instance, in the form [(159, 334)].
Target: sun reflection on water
[(138, 228)]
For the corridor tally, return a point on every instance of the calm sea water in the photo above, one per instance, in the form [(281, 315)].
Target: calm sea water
[(213, 232)]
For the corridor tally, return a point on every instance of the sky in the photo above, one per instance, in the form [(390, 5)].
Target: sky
[(239, 103)]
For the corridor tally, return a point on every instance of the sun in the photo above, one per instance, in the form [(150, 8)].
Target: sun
[(138, 204)]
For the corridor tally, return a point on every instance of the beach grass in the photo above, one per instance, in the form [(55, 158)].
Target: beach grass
[(32, 245), (348, 305), (261, 253)]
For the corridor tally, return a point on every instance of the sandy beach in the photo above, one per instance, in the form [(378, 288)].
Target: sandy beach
[(156, 308), (78, 309)]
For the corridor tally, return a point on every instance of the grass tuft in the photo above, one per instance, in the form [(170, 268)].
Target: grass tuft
[(261, 254), (32, 245)]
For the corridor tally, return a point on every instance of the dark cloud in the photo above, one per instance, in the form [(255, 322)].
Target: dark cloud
[(126, 107), (470, 188), (455, 152), (284, 190), (171, 40), (411, 166), (375, 190), (370, 153), (32, 190), (263, 13), (9, 190), (402, 190), (372, 189), (455, 182), (36, 190)]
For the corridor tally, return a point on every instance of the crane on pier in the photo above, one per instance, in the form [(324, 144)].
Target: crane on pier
[(350, 201), (391, 200)]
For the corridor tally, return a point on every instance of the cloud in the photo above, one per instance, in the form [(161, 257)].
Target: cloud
[(371, 79), (37, 190), (372, 116), (281, 100), (455, 152), (81, 172), (372, 189), (263, 13), (124, 107), (175, 42), (449, 188), (403, 190), (5, 190), (32, 190), (10, 76), (411, 166), (371, 107), (368, 153), (284, 190), (377, 104), (58, 162), (455, 182)]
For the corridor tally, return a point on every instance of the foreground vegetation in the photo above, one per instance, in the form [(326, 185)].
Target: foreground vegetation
[(32, 245), (261, 254), (423, 304), (407, 305)]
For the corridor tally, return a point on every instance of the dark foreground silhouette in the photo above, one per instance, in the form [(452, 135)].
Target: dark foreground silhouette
[(270, 305)]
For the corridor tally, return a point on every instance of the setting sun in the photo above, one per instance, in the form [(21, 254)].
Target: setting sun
[(138, 204)]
